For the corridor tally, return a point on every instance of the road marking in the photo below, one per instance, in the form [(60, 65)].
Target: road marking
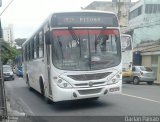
[(147, 99)]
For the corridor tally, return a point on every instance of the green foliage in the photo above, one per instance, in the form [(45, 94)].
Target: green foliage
[(7, 52)]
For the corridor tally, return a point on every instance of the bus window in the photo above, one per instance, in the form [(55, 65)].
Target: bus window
[(32, 48), (41, 45), (35, 47)]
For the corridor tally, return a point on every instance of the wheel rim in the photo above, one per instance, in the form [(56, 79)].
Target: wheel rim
[(135, 81)]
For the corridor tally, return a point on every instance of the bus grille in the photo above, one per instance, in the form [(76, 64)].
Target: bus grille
[(89, 76), (89, 91), (87, 85), (6, 74)]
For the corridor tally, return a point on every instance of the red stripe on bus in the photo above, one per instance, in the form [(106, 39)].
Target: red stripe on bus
[(85, 32)]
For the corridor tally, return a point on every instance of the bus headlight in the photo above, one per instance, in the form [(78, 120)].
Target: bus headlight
[(114, 79), (63, 84)]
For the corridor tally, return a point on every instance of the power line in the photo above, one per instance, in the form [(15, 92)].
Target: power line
[(6, 7)]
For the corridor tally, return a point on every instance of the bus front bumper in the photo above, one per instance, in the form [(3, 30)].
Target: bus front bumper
[(61, 94)]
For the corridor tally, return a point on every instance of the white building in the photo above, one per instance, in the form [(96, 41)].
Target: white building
[(144, 21), (144, 26), (8, 35), (113, 6)]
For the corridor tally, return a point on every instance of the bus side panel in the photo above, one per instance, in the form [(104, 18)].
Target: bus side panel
[(36, 69)]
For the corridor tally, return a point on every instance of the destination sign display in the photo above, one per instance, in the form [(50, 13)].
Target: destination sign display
[(84, 20)]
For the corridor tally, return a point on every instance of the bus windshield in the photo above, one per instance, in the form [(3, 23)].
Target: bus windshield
[(86, 49), (126, 43)]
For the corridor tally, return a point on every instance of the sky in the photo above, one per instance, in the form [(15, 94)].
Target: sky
[(27, 15)]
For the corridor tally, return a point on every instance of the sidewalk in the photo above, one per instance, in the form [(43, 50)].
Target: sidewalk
[(16, 110), (3, 111)]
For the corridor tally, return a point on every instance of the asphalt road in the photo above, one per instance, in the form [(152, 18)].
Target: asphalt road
[(135, 100)]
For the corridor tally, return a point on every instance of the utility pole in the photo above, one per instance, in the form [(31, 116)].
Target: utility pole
[(119, 9), (3, 106)]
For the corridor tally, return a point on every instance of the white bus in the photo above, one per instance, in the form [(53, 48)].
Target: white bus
[(74, 55), (127, 56)]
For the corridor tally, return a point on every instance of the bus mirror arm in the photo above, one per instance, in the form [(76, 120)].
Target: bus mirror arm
[(47, 38)]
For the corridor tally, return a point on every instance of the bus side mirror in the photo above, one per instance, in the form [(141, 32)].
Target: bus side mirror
[(47, 38)]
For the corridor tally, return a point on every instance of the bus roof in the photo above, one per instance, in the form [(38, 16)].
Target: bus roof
[(86, 11), (81, 11)]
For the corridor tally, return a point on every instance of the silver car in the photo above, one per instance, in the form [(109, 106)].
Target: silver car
[(142, 74), (7, 73)]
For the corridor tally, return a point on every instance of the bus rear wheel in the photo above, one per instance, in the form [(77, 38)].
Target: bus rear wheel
[(30, 88)]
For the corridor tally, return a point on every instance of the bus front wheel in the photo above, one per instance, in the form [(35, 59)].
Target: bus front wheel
[(46, 99)]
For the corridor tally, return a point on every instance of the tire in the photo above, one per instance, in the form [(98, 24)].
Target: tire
[(150, 83), (10, 79), (27, 82), (94, 98), (29, 87), (136, 80), (128, 82), (46, 99), (13, 78), (41, 86)]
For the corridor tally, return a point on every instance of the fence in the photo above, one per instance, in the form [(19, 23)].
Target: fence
[(3, 108)]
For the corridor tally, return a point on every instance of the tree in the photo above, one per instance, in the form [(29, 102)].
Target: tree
[(19, 41), (7, 52)]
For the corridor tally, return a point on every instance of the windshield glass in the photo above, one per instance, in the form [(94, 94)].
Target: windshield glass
[(86, 49), (7, 69), (146, 69), (126, 43)]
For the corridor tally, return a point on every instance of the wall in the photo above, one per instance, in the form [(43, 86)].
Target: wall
[(146, 26), (8, 34), (146, 60), (158, 71)]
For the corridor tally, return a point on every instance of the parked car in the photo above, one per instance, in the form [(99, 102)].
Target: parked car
[(19, 71), (142, 74), (8, 73)]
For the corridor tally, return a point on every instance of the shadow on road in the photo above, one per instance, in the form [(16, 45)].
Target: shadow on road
[(79, 104), (75, 104)]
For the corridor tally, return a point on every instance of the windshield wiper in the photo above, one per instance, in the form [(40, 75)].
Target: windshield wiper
[(100, 34), (60, 44), (75, 37), (98, 37)]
